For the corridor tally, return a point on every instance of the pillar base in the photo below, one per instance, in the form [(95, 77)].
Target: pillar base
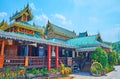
[(1, 61), (26, 60)]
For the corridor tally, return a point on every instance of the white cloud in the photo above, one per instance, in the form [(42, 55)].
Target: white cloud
[(3, 14), (43, 18), (32, 6), (62, 19)]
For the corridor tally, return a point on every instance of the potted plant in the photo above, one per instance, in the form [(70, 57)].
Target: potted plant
[(96, 69)]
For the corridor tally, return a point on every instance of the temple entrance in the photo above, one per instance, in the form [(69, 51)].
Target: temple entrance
[(86, 61)]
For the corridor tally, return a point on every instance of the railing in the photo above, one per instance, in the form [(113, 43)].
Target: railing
[(14, 61), (37, 62)]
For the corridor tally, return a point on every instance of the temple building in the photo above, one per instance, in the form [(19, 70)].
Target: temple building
[(24, 44)]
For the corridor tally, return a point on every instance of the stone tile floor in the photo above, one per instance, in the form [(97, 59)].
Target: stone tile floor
[(85, 75)]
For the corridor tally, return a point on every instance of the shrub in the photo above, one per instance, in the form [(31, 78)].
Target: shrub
[(34, 71), (43, 71), (10, 73), (119, 60), (64, 70), (112, 58), (99, 55), (53, 70), (108, 68), (96, 68)]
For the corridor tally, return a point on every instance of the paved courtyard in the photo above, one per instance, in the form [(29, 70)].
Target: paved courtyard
[(112, 75)]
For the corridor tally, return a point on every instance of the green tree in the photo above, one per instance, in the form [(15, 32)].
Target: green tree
[(112, 57), (119, 61), (99, 55)]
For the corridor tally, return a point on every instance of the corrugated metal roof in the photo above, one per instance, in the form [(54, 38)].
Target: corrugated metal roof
[(87, 41), (63, 31), (83, 40), (59, 30), (23, 37)]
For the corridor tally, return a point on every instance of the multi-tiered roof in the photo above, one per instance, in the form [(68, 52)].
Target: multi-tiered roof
[(81, 42), (25, 11)]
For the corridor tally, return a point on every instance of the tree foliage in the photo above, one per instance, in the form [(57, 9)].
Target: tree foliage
[(99, 55), (119, 61), (112, 57)]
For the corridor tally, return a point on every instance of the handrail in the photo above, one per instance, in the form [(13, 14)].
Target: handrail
[(14, 61)]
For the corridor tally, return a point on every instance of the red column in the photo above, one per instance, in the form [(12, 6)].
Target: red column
[(48, 57), (56, 56), (2, 48), (2, 54)]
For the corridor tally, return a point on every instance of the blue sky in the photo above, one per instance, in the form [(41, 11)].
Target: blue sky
[(94, 16)]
